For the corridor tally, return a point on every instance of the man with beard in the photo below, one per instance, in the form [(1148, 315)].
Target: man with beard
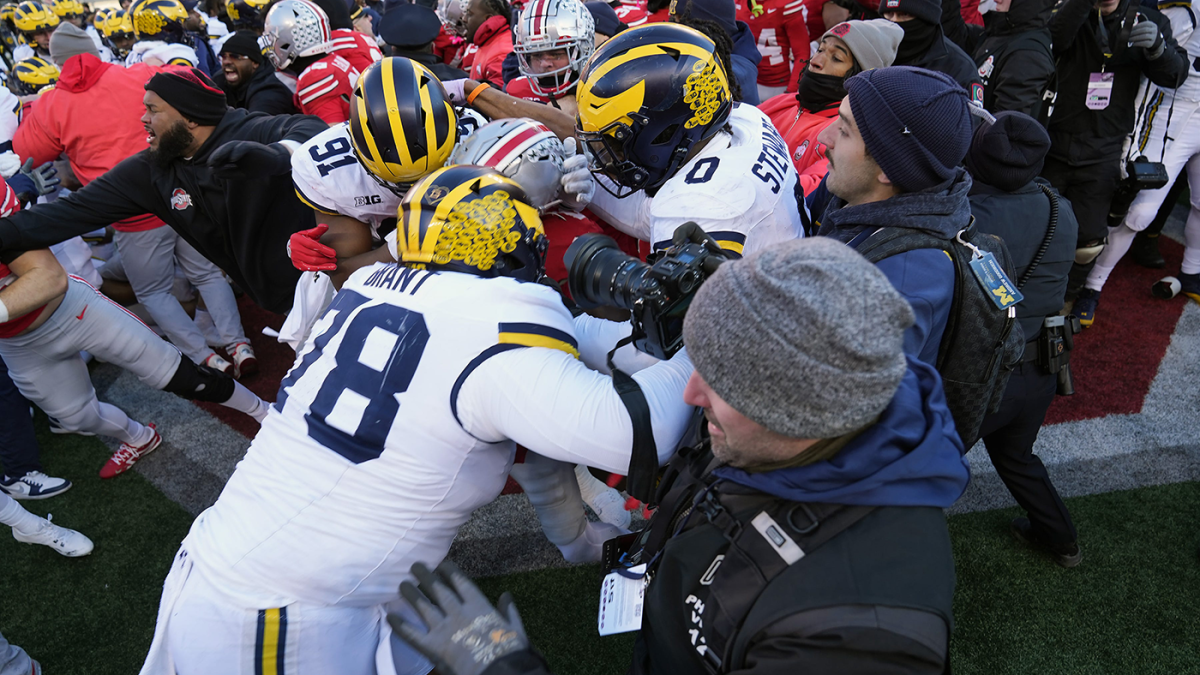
[(925, 46), (220, 177), (1012, 51), (250, 82)]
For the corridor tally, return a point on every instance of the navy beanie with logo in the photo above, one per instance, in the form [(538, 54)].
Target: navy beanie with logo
[(1008, 153), (916, 123)]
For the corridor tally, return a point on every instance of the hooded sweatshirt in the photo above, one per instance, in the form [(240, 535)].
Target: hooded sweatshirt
[(925, 277), (94, 116), (911, 457)]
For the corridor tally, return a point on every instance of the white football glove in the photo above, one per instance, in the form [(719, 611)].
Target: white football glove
[(10, 164), (454, 89), (578, 184)]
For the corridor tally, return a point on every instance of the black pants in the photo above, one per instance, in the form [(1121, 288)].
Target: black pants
[(1090, 189), (18, 446), (1009, 434)]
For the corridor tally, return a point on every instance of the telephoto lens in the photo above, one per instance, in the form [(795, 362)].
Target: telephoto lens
[(600, 274)]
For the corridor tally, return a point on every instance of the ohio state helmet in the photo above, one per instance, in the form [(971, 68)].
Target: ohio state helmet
[(521, 149), (545, 25), (294, 29), (451, 14)]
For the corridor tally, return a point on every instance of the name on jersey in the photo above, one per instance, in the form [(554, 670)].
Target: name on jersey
[(393, 277), (367, 200), (773, 160)]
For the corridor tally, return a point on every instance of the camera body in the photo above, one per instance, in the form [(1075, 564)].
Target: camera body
[(656, 294), (1140, 174)]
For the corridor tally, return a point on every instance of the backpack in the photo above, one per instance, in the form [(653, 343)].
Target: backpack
[(981, 344)]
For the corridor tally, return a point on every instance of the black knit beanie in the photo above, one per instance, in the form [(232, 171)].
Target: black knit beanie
[(929, 11), (243, 43), (915, 123), (1008, 153), (192, 93)]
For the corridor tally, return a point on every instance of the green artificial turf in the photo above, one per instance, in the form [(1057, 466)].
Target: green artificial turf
[(1130, 608)]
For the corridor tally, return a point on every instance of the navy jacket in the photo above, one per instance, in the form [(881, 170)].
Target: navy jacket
[(745, 60), (925, 277)]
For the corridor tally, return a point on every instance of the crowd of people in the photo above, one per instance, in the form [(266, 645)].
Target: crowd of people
[(769, 266)]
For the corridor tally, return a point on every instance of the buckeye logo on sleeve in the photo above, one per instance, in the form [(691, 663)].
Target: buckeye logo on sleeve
[(180, 200)]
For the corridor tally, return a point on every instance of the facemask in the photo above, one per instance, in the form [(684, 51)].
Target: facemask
[(918, 38)]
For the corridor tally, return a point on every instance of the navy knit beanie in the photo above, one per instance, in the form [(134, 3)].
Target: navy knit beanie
[(1009, 153), (915, 123), (929, 11)]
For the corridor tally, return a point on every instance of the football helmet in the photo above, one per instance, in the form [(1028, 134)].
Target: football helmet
[(33, 17), (471, 219), (158, 20), (402, 125), (294, 29), (117, 26), (451, 14), (32, 76), (646, 99), (66, 8), (98, 17), (554, 24), (246, 13), (521, 149)]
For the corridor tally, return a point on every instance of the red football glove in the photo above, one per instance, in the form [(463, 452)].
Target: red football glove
[(307, 252)]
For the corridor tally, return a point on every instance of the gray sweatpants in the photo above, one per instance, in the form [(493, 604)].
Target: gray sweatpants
[(149, 258), (14, 660), (47, 369)]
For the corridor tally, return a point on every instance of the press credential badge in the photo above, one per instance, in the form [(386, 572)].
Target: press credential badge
[(622, 597)]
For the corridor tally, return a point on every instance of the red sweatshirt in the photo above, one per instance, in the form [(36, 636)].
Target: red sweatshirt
[(799, 129)]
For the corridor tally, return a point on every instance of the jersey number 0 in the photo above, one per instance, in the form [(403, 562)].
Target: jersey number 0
[(353, 411)]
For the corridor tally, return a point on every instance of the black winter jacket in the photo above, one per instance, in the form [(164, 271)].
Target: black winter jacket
[(946, 57), (242, 226), (1021, 219), (1083, 137), (1011, 51), (264, 93)]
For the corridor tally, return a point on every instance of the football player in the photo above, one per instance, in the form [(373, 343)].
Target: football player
[(117, 31), (246, 14), (47, 318), (553, 40), (297, 39), (781, 33), (397, 422), (161, 37), (671, 147), (35, 23)]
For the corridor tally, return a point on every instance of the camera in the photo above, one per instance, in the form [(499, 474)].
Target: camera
[(656, 294), (1140, 174)]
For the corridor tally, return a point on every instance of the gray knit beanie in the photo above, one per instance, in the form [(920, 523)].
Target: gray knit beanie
[(70, 40), (872, 44), (805, 338)]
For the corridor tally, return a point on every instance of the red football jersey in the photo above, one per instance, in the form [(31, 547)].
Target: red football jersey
[(325, 87), (631, 13), (519, 87), (8, 206), (782, 36), (360, 50)]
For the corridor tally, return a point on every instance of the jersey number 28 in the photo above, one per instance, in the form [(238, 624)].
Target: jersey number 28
[(353, 410)]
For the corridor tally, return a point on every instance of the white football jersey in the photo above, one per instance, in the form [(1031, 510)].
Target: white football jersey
[(361, 468), (740, 189), (331, 180)]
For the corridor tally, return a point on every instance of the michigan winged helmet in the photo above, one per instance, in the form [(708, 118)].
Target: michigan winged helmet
[(471, 219), (158, 19), (33, 75), (402, 125), (647, 98)]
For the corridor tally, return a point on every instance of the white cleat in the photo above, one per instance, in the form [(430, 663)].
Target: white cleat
[(66, 542)]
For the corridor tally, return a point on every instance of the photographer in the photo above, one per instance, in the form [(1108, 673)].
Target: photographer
[(838, 557), (1009, 200), (1101, 56)]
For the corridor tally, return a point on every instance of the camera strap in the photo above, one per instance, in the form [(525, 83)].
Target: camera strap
[(643, 461)]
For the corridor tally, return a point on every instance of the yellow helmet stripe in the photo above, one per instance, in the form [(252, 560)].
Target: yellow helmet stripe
[(389, 96), (412, 224), (429, 245)]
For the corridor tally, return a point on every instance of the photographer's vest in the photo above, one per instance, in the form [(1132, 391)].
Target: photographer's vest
[(719, 583)]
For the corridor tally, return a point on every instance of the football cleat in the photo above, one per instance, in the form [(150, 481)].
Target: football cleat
[(127, 455), (217, 363), (244, 361), (64, 541), (1189, 285), (1085, 306)]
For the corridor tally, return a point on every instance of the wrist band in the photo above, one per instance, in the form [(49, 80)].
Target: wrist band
[(3, 312), (476, 91)]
